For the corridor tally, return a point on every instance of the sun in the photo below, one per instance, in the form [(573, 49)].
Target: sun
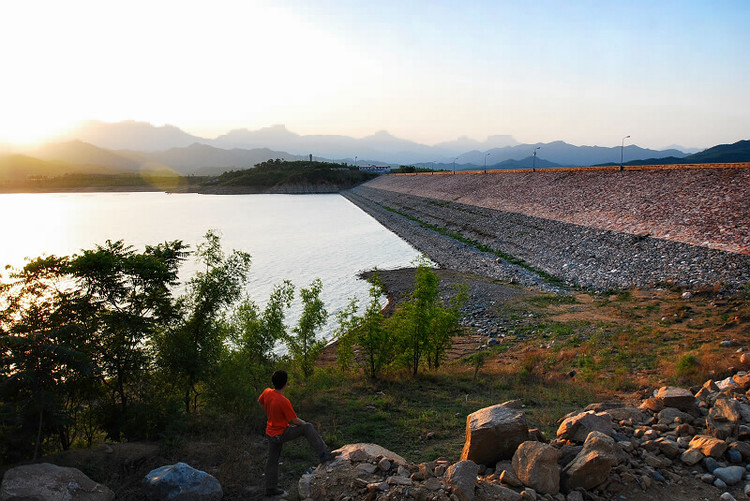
[(26, 132)]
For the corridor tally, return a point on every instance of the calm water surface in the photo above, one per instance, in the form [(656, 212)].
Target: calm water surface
[(294, 237)]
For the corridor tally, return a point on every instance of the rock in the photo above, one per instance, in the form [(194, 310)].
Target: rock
[(535, 464), (652, 405), (508, 477), (528, 494), (463, 476), (679, 398), (656, 461), (46, 481), (725, 409), (568, 453), (742, 379), (592, 465), (691, 457), (670, 414), (433, 484), (710, 464), (630, 415), (574, 496), (537, 435), (743, 448), (497, 493), (367, 467), (384, 464), (706, 478), (731, 474), (726, 384), (745, 360), (727, 497), (494, 433), (719, 483), (668, 447), (303, 486), (709, 446), (577, 427), (397, 480), (181, 482), (734, 456), (721, 429), (364, 452), (513, 404)]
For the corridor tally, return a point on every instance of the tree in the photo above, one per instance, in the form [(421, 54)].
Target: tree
[(368, 333), (423, 327), (190, 348), (302, 344), (247, 364), (126, 297), (43, 357)]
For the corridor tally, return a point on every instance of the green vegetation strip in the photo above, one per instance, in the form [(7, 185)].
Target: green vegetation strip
[(479, 246)]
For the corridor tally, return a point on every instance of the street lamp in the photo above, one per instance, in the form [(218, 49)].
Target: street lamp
[(355, 161), (533, 161), (454, 165), (485, 161), (622, 151)]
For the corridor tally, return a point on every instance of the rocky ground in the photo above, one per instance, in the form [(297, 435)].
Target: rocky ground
[(677, 444)]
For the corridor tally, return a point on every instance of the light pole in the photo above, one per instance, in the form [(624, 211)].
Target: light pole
[(533, 161), (622, 151), (485, 161), (454, 165), (355, 161)]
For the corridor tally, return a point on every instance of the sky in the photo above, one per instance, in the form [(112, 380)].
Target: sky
[(585, 72)]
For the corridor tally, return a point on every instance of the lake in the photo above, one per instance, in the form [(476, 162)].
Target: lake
[(294, 237)]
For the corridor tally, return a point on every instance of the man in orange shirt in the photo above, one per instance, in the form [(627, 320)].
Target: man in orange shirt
[(280, 415)]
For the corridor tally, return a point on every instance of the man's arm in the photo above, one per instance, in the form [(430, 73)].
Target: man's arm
[(297, 422)]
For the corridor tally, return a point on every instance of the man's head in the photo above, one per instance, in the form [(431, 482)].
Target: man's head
[(279, 379)]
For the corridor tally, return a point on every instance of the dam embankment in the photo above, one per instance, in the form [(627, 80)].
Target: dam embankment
[(605, 229)]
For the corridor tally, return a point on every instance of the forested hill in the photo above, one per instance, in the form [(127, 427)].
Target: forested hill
[(722, 153), (279, 176)]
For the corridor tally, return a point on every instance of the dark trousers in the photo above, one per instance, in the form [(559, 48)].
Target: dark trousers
[(275, 444)]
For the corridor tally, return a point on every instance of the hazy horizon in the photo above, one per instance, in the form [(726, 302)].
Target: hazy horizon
[(583, 72)]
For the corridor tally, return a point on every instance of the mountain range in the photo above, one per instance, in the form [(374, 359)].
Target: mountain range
[(380, 147), (123, 147)]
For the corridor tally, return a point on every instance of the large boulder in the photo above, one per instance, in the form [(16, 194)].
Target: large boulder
[(494, 433), (181, 482), (679, 398), (46, 481), (592, 465), (535, 464), (463, 477), (578, 426)]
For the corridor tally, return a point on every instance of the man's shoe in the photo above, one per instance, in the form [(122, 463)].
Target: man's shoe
[(275, 492), (328, 456)]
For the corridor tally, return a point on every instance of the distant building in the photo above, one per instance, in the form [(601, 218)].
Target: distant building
[(375, 169)]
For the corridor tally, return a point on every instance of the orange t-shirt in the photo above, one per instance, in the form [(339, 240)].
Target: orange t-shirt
[(278, 409)]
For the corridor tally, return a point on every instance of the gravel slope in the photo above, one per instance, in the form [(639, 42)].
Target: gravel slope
[(577, 254)]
